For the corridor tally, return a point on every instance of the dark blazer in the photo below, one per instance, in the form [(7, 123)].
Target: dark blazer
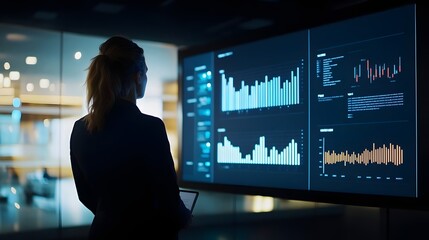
[(125, 175)]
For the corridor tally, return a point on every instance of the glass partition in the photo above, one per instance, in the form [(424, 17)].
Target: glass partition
[(30, 89), (42, 93)]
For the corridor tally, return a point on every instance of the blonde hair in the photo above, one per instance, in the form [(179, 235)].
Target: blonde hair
[(110, 76)]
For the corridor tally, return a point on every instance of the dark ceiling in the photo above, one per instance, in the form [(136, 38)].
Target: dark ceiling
[(180, 22)]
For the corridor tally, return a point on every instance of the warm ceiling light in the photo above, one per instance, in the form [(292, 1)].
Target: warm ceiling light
[(30, 60), (14, 75), (6, 65), (29, 87), (77, 55), (16, 37), (44, 83)]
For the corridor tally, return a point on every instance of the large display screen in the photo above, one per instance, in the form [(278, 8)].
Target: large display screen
[(331, 109)]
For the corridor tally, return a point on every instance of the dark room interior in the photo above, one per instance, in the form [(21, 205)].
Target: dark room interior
[(225, 211)]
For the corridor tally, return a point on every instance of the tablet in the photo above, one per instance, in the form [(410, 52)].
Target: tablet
[(189, 198)]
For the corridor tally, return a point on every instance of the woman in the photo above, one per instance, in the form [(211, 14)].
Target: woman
[(121, 160)]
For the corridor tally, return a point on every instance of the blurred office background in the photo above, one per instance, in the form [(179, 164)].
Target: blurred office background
[(42, 93)]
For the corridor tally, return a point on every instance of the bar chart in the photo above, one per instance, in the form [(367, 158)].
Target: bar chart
[(269, 92)]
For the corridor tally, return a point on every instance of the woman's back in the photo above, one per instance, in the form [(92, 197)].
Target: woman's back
[(121, 160), (129, 169)]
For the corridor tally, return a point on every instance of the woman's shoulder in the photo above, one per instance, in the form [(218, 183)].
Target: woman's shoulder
[(80, 121), (152, 119)]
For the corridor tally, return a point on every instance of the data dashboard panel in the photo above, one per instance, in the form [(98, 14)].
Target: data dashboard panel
[(324, 112)]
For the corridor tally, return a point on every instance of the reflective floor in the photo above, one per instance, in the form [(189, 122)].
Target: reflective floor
[(219, 216), (22, 210), (288, 225), (352, 223)]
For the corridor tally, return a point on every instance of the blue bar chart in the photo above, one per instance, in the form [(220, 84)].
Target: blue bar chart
[(269, 92), (261, 154)]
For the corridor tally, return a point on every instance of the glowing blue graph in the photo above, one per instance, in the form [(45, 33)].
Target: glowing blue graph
[(227, 153), (267, 93)]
